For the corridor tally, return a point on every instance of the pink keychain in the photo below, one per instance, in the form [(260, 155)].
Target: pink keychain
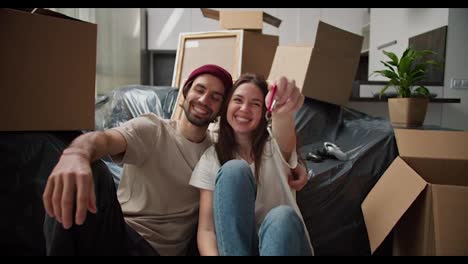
[(272, 103), (271, 106)]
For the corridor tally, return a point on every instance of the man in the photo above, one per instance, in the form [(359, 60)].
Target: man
[(155, 210)]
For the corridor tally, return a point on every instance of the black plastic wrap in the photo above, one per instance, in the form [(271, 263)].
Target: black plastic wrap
[(331, 200), (27, 159)]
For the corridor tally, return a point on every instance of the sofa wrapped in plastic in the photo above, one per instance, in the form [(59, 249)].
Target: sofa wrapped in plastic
[(331, 200)]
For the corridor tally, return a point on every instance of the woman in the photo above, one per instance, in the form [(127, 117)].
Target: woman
[(245, 200)]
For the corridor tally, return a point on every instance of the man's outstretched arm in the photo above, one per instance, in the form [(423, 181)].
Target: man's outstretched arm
[(73, 174)]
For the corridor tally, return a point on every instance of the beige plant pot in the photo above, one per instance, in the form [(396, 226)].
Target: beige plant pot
[(407, 112)]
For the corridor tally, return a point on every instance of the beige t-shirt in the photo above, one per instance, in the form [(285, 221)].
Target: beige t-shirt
[(154, 193)]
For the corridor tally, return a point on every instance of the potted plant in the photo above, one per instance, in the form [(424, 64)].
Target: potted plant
[(404, 74)]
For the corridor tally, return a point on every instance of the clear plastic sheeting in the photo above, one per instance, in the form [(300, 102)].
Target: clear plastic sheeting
[(331, 200), (128, 102), (131, 101)]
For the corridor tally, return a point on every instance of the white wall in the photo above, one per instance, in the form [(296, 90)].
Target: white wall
[(425, 19), (393, 27), (164, 25), (351, 19), (456, 115), (118, 49), (448, 115), (119, 43), (299, 25)]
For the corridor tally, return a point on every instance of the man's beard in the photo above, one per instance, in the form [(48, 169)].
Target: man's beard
[(192, 118)]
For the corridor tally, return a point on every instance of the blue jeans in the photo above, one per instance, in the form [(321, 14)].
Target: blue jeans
[(281, 232)]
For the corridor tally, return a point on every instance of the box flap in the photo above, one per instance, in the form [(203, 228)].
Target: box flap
[(282, 65), (389, 199), (413, 235), (210, 13), (439, 156), (269, 19), (334, 63), (241, 19), (258, 52), (230, 19), (47, 12), (440, 171), (450, 220), (433, 144)]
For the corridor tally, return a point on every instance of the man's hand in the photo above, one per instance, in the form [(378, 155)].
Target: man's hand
[(71, 175), (298, 177)]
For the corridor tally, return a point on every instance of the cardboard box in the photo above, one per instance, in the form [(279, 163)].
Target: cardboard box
[(423, 195), (47, 71), (241, 19), (324, 71), (238, 51)]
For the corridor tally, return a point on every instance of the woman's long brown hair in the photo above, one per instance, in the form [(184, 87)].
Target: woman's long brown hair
[(226, 147)]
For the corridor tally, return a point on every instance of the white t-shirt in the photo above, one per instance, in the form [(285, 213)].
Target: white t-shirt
[(273, 189)]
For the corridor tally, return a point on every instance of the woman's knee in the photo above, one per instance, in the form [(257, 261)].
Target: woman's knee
[(283, 215), (282, 233), (235, 172)]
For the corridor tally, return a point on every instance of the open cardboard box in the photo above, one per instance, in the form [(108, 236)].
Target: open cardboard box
[(47, 71), (241, 19), (324, 71), (422, 196)]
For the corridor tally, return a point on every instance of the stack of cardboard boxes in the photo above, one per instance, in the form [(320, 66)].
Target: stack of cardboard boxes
[(47, 71), (323, 72), (240, 47)]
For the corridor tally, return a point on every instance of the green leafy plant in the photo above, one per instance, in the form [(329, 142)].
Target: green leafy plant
[(406, 72)]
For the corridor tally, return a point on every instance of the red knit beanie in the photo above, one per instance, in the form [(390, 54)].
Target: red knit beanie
[(214, 70)]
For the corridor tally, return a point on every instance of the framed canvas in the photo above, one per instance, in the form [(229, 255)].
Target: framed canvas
[(197, 49), (237, 51)]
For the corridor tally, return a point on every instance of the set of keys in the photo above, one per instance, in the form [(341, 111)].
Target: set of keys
[(271, 106)]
